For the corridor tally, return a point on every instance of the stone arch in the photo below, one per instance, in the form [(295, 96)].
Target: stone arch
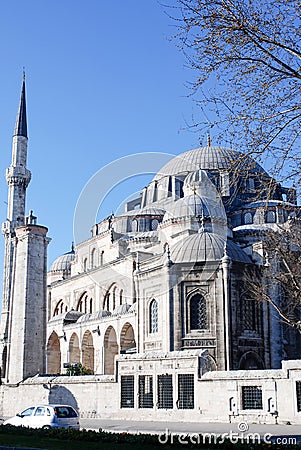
[(84, 304), (110, 300), (110, 350), (250, 361), (74, 352), (88, 351), (127, 339), (93, 258), (59, 308), (53, 352)]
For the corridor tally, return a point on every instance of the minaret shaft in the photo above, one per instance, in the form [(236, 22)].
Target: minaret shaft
[(18, 178)]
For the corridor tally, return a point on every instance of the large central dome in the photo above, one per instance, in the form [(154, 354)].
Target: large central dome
[(208, 158)]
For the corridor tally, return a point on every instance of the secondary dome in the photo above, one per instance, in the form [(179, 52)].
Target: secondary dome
[(205, 246), (63, 262), (193, 206), (208, 158)]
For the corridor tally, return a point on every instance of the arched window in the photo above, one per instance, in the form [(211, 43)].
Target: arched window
[(251, 184), (82, 305), (134, 226), (93, 258), (153, 317), (59, 309), (120, 296), (85, 265), (169, 192), (106, 302), (270, 217), (249, 314), (179, 188), (155, 224), (114, 298), (248, 219), (197, 313)]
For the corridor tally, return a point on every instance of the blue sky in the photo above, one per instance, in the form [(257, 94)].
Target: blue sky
[(103, 81)]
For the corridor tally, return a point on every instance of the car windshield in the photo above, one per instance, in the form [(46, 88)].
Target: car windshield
[(64, 411), (27, 412)]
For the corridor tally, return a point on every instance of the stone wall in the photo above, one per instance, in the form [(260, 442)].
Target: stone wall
[(218, 396)]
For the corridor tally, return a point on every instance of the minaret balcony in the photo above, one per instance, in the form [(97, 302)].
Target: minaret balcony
[(18, 176)]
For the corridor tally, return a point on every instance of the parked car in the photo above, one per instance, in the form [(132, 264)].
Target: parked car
[(46, 416)]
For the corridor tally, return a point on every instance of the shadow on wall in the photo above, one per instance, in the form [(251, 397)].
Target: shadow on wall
[(61, 395)]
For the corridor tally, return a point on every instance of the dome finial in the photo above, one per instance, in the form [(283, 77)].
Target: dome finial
[(208, 139)]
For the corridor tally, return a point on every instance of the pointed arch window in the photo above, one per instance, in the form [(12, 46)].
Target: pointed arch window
[(153, 316), (270, 217), (197, 313), (93, 258), (85, 263), (248, 218)]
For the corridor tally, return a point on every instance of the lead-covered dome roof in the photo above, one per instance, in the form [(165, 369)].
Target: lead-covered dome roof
[(206, 247), (63, 262), (193, 206), (208, 158)]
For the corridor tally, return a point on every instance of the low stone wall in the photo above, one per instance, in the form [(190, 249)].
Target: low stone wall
[(218, 396), (92, 396)]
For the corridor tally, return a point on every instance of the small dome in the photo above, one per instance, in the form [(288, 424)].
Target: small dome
[(204, 247), (145, 211), (189, 206), (195, 206), (63, 263)]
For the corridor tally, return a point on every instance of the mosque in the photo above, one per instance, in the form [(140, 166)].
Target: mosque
[(158, 291)]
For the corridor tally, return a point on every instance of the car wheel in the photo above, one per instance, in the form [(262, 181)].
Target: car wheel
[(46, 427)]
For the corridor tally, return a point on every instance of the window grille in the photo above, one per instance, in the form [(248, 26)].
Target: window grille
[(251, 397), (186, 391), (146, 391), (249, 314), (127, 391), (198, 315), (165, 394), (248, 219), (153, 317), (298, 391), (134, 226), (155, 224)]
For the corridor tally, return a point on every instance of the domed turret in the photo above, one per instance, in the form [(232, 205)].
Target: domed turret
[(63, 263)]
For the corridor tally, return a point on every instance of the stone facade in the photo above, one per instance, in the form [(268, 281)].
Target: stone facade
[(154, 304)]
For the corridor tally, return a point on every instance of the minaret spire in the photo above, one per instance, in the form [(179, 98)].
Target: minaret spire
[(21, 120), (18, 178)]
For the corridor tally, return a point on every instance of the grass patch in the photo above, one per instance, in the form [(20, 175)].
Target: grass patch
[(61, 439)]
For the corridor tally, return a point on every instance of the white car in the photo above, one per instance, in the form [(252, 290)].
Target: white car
[(46, 416)]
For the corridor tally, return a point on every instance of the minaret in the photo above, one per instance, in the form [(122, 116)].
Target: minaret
[(23, 318), (18, 178)]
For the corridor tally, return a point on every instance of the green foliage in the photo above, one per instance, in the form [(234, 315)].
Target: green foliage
[(57, 439), (246, 57), (78, 369)]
